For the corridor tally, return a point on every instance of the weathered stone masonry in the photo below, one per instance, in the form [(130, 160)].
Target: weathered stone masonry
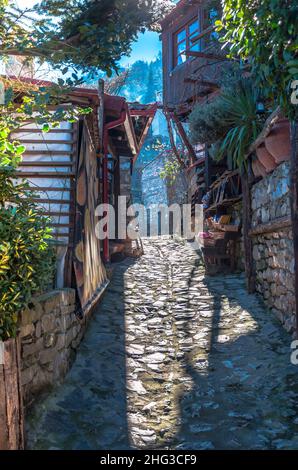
[(50, 332), (273, 252)]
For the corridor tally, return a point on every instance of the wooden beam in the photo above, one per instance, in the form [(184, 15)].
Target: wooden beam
[(199, 81), (294, 207), (271, 227), (47, 174), (100, 115), (45, 164), (246, 224), (47, 142), (23, 130), (208, 165), (172, 140), (205, 55), (131, 136), (203, 34), (48, 152), (62, 202), (184, 137), (143, 137)]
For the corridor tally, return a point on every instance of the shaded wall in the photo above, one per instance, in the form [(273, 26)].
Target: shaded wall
[(50, 333), (273, 252)]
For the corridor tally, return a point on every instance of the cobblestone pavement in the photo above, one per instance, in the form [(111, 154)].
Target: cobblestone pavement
[(174, 360)]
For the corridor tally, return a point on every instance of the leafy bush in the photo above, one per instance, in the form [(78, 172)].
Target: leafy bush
[(243, 121), (171, 170), (26, 258), (230, 123), (207, 122), (265, 33)]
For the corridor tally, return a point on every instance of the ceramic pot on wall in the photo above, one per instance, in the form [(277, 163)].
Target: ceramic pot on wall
[(258, 169), (265, 158), (278, 141)]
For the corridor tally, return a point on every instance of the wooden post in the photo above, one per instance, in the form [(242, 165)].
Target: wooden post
[(172, 140), (246, 225), (100, 114), (294, 207), (207, 169), (184, 137), (11, 404), (117, 192)]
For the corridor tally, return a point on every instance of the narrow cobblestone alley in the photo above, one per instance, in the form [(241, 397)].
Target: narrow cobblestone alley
[(174, 360)]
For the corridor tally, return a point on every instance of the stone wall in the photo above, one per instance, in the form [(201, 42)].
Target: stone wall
[(270, 196), (50, 332), (273, 253)]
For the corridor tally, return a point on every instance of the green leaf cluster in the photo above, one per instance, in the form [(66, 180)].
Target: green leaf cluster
[(265, 33), (84, 35), (230, 123)]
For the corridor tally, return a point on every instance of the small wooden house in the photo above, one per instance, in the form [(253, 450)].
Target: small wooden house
[(191, 54), (73, 169), (193, 64)]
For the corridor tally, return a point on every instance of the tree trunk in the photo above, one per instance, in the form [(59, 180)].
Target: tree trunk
[(11, 404)]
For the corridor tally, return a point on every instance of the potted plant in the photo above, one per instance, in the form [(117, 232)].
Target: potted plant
[(257, 168), (265, 158), (230, 123), (243, 121), (278, 142)]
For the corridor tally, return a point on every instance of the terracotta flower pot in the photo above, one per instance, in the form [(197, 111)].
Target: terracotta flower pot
[(265, 158), (258, 169), (278, 141)]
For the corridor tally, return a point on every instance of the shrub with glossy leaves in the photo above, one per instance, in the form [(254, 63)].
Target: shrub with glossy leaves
[(26, 257)]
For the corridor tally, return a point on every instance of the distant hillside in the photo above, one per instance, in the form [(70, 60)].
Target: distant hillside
[(144, 82)]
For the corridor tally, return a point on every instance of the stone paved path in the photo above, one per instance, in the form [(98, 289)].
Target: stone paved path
[(176, 360)]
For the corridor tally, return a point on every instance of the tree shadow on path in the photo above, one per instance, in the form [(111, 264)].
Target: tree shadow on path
[(89, 410), (245, 390)]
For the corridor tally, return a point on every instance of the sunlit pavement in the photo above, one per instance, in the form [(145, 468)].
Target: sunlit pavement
[(173, 359)]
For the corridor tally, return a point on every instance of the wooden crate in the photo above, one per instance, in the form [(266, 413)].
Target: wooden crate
[(11, 405)]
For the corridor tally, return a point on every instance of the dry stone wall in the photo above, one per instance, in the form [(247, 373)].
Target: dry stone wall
[(273, 253), (50, 332)]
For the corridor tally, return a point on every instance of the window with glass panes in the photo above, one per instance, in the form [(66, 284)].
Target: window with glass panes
[(185, 40)]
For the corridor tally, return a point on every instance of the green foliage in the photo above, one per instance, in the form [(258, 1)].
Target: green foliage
[(89, 35), (26, 256), (265, 33), (230, 123), (207, 121), (170, 170), (26, 259), (243, 121)]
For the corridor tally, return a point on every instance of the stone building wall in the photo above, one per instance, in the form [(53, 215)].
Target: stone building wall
[(50, 332), (270, 196), (273, 253)]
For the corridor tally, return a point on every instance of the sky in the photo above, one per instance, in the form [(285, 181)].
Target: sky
[(145, 48)]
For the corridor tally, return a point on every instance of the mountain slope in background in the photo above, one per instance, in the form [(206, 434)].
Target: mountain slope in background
[(144, 81)]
